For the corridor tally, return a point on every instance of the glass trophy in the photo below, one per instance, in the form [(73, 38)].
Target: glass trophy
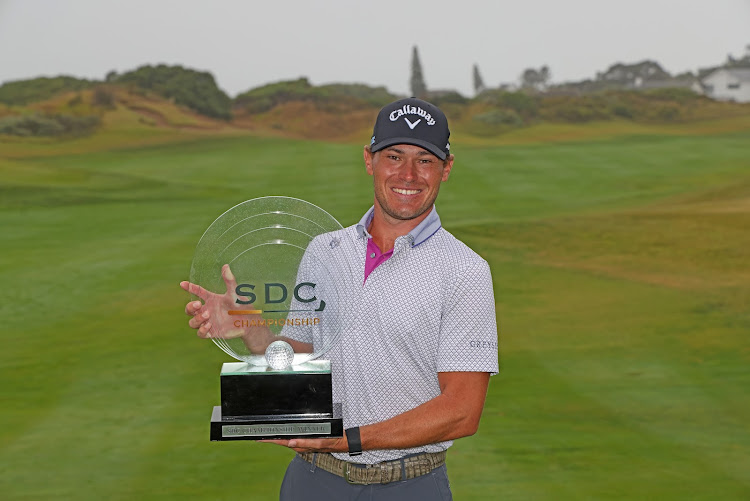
[(273, 280)]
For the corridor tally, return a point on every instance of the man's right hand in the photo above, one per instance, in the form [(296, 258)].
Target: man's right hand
[(211, 319)]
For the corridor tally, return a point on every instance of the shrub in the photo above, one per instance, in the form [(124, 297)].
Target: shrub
[(668, 113), (676, 94), (332, 97), (622, 111), (103, 98), (520, 102), (48, 125), (193, 89), (443, 98), (372, 96), (268, 96), (499, 117), (23, 92), (523, 104)]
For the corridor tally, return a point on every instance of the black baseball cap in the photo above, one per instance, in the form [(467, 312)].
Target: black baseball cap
[(412, 121)]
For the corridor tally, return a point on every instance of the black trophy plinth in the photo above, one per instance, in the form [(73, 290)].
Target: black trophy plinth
[(260, 403)]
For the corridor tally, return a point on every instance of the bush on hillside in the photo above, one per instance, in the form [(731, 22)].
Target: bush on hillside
[(270, 95), (443, 98), (523, 104), (48, 125), (103, 97), (499, 117), (332, 97), (193, 89), (666, 113), (657, 105), (23, 92), (578, 109), (520, 102), (376, 97), (676, 94)]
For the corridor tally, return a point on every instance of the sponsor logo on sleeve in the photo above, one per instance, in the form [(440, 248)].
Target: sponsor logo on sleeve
[(483, 344)]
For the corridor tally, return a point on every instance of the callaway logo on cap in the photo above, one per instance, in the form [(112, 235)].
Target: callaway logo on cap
[(412, 121)]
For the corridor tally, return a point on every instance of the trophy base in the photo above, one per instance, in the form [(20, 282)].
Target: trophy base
[(270, 427)]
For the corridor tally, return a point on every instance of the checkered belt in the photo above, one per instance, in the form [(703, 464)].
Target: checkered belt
[(405, 468)]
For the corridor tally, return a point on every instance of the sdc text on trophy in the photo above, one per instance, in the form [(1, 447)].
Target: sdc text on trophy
[(268, 274)]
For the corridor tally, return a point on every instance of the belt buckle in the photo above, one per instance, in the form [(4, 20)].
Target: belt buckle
[(382, 467), (367, 470), (347, 471)]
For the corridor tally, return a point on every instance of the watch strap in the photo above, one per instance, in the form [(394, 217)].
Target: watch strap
[(354, 441)]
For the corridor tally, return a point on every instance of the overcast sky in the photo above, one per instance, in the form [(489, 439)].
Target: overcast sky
[(249, 43)]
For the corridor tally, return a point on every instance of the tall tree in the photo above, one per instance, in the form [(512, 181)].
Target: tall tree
[(478, 82), (418, 87), (534, 79), (530, 78), (544, 75)]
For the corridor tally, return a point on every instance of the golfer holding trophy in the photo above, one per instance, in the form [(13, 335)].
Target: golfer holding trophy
[(366, 349)]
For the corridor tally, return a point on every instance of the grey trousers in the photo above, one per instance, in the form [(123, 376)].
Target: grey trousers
[(303, 481)]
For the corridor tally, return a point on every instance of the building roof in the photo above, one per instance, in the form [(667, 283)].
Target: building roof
[(741, 74)]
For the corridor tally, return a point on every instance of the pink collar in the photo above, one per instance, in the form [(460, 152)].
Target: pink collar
[(374, 257)]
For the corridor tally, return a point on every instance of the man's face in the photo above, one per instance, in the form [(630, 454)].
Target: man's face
[(406, 179)]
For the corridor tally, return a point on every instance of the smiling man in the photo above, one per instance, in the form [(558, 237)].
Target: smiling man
[(415, 371), (413, 367)]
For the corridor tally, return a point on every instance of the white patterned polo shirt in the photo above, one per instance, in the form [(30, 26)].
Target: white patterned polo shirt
[(429, 308)]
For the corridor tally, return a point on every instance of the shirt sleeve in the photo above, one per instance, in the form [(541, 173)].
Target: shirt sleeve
[(468, 329)]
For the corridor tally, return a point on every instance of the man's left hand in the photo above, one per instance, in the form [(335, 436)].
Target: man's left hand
[(313, 444)]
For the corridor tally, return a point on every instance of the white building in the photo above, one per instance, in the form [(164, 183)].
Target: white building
[(728, 84)]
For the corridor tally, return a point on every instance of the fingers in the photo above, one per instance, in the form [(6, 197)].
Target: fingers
[(229, 280), (292, 444), (311, 444), (195, 289), (193, 307), (199, 319), (202, 325), (276, 441), (204, 330)]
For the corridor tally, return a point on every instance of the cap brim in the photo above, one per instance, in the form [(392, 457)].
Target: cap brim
[(409, 140)]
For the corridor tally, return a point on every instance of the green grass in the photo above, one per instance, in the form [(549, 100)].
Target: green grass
[(622, 282)]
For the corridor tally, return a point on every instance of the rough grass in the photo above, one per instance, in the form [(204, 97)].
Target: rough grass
[(622, 283)]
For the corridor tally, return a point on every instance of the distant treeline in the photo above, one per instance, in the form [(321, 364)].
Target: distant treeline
[(492, 111), (195, 90), (655, 105), (198, 91)]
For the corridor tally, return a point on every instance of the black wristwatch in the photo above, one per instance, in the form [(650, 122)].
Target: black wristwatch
[(355, 443)]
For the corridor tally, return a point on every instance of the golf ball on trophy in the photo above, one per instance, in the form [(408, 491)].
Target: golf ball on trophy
[(279, 355)]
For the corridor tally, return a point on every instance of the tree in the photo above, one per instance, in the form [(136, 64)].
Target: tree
[(544, 75), (533, 79), (529, 78), (478, 82), (418, 87)]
